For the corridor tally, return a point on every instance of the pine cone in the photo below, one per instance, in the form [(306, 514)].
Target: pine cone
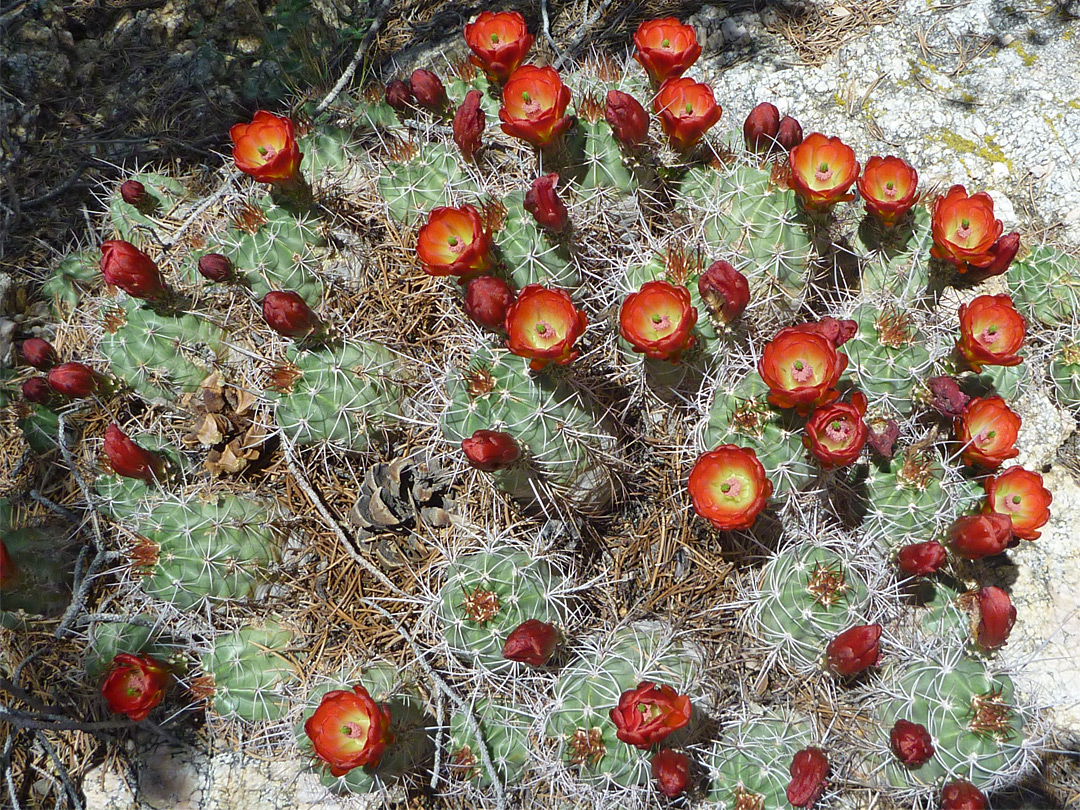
[(396, 495)]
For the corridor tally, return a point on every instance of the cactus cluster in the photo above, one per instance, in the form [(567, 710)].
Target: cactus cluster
[(796, 384)]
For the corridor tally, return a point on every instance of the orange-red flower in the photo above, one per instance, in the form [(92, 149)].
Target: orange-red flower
[(135, 685), (987, 429), (125, 266), (666, 48), (991, 332), (266, 148), (996, 617), (687, 111), (454, 242), (658, 320), (801, 367), (349, 730), (532, 642), (534, 105), (543, 325), (976, 536), (965, 229), (1020, 494), (836, 433), (822, 171), (729, 488), (129, 459), (499, 42), (889, 187), (649, 713)]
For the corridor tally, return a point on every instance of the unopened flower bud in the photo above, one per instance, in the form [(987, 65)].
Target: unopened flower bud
[(428, 89), (128, 459), (469, 123), (39, 353), (490, 450), (921, 559), (398, 95), (808, 770), (854, 650), (543, 202), (288, 314), (761, 127), (486, 301), (73, 380), (215, 267), (627, 118), (789, 133), (911, 743), (724, 290), (962, 795), (671, 770), (532, 642), (133, 192)]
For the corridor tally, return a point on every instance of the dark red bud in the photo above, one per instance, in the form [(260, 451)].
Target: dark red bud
[(838, 331), (946, 396), (36, 390), (133, 192), (627, 119), (428, 89), (128, 459), (491, 450), (543, 202), (724, 290), (882, 437), (761, 127), (73, 380), (469, 123), (671, 770), (1004, 250), (911, 743), (398, 95), (39, 353), (854, 650), (997, 615), (8, 569), (532, 642), (288, 314), (921, 559), (808, 769), (976, 536), (215, 267), (962, 795), (486, 301), (125, 266), (789, 134)]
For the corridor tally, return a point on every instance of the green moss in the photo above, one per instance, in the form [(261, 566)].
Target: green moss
[(1029, 58)]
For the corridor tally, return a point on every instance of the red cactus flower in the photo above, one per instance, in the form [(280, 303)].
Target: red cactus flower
[(665, 48), (486, 300), (838, 331), (808, 770), (215, 267), (125, 266), (991, 332), (836, 433), (534, 105), (544, 203), (987, 429), (996, 617), (1003, 251), (73, 380), (789, 134), (454, 242), (135, 685), (39, 353), (543, 325), (428, 89), (266, 149), (128, 459), (469, 123), (649, 713), (801, 368), (729, 488), (399, 95), (133, 193), (822, 171), (499, 42), (349, 730), (921, 559), (964, 229), (658, 320), (853, 650), (724, 290), (911, 743), (627, 118), (946, 397), (1019, 494), (889, 188), (761, 127), (687, 111), (37, 390), (288, 314), (8, 569), (490, 450), (962, 795), (976, 536), (532, 642), (671, 770)]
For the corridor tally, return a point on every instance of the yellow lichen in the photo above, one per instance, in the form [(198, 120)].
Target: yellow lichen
[(1029, 58), (989, 150)]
